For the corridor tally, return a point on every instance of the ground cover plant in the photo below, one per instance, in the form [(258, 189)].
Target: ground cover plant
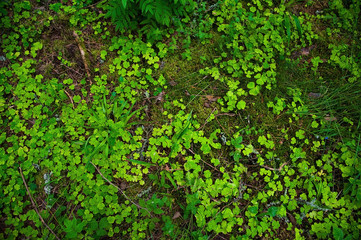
[(180, 119)]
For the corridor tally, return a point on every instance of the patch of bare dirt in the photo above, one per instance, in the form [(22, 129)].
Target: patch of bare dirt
[(316, 8)]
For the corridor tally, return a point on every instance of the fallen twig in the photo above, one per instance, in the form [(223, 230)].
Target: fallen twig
[(204, 161), (251, 186), (275, 169), (82, 53), (71, 99), (225, 114), (36, 209), (205, 122), (224, 130), (120, 190)]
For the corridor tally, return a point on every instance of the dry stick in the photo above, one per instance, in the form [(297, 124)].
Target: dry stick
[(71, 100), (197, 95), (204, 161), (82, 53), (222, 126), (225, 114), (92, 5), (119, 189), (71, 69), (275, 169), (205, 122), (36, 209), (219, 212), (215, 116), (248, 185)]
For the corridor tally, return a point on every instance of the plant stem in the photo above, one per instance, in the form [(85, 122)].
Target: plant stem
[(36, 209), (140, 207)]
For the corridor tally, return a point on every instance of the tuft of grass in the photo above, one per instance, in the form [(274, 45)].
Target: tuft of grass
[(337, 107)]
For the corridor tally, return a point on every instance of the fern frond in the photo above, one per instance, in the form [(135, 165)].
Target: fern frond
[(147, 6), (128, 14), (124, 2), (163, 12)]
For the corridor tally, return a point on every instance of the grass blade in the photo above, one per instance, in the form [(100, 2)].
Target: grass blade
[(178, 136), (147, 164), (288, 28), (115, 108), (298, 25), (169, 176), (96, 150), (106, 151), (132, 114), (86, 144), (104, 104), (184, 130), (124, 2), (117, 112)]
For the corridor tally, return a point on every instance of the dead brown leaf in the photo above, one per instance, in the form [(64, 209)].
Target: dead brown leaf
[(207, 105), (160, 96), (292, 219), (212, 98), (314, 95), (177, 215), (123, 186), (173, 83), (330, 119), (306, 51)]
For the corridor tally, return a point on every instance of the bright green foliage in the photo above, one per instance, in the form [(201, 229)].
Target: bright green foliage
[(235, 120), (130, 14), (256, 36)]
